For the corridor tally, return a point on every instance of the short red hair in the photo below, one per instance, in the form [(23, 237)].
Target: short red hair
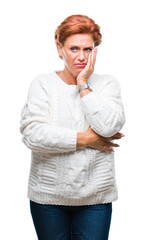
[(76, 24)]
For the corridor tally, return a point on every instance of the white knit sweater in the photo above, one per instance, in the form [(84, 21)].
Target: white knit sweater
[(50, 120)]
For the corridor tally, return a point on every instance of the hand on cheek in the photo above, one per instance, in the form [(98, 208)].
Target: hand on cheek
[(88, 70), (92, 57), (91, 61)]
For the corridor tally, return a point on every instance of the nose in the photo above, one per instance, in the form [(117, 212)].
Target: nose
[(81, 56)]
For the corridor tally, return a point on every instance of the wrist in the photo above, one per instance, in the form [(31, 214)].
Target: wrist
[(81, 82), (81, 140), (86, 86)]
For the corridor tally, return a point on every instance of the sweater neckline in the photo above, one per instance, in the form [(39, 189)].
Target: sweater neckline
[(62, 82)]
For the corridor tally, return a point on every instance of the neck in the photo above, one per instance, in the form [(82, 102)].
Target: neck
[(67, 77)]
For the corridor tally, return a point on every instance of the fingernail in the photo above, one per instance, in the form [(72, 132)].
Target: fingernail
[(122, 135)]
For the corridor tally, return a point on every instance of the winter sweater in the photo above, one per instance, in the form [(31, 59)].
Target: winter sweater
[(53, 113)]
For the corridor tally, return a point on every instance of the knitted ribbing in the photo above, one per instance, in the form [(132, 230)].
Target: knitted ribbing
[(50, 120)]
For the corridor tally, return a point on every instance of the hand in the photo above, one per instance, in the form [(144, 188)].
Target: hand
[(84, 75), (96, 141)]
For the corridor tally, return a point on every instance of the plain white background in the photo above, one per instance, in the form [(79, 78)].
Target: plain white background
[(27, 48)]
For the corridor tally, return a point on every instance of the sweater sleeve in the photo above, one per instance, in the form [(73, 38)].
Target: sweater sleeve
[(104, 110), (35, 127)]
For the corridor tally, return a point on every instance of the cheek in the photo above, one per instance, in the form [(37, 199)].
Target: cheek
[(70, 58)]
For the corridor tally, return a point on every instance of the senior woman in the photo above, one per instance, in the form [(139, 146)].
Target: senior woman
[(70, 120)]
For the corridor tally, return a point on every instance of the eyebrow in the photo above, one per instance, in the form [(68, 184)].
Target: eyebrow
[(79, 47)]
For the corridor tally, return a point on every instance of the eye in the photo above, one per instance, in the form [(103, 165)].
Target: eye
[(88, 49), (73, 49)]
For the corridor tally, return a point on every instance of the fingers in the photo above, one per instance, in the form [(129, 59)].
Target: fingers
[(92, 58), (94, 53), (89, 65), (122, 135), (103, 143), (110, 144), (107, 146), (108, 150), (116, 136), (103, 148)]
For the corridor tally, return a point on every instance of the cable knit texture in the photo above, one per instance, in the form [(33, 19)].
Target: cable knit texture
[(50, 119)]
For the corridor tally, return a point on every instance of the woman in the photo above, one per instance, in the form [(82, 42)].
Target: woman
[(69, 121)]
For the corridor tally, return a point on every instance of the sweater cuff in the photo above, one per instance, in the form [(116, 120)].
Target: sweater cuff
[(69, 143)]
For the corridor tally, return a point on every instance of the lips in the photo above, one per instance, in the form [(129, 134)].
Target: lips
[(80, 64)]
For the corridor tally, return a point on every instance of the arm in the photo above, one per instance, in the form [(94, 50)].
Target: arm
[(93, 140), (35, 127), (104, 111)]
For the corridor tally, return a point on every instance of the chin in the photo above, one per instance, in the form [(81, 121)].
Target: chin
[(75, 72)]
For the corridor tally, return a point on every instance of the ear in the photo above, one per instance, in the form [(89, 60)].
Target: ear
[(59, 48)]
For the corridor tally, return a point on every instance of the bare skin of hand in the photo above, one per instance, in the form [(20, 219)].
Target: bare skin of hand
[(84, 75), (102, 143), (95, 141)]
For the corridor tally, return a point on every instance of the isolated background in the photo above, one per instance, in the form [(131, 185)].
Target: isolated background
[(27, 48)]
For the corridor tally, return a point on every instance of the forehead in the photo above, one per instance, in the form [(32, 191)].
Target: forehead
[(80, 40)]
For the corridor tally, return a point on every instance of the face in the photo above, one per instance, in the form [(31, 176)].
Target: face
[(75, 52)]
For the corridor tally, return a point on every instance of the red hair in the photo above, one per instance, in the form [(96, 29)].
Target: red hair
[(76, 24)]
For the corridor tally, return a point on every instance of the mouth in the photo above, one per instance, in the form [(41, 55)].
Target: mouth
[(80, 64)]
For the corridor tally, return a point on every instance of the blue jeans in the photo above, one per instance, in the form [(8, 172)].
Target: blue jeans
[(59, 222)]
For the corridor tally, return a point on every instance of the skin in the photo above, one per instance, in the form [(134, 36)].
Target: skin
[(80, 48), (77, 49)]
